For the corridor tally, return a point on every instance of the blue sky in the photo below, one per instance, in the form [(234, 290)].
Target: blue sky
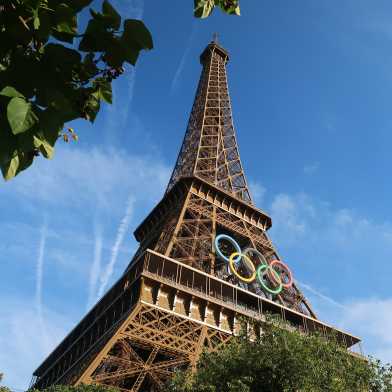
[(311, 89)]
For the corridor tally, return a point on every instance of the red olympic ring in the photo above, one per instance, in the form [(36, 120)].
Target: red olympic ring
[(283, 267)]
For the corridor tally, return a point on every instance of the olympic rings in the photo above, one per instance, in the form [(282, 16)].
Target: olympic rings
[(273, 269)]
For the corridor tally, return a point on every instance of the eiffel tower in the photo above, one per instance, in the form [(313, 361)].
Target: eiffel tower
[(190, 282)]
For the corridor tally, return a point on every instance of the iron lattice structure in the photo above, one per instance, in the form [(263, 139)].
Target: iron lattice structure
[(209, 149), (176, 297)]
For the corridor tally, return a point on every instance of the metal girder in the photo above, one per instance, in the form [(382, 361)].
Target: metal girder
[(151, 333)]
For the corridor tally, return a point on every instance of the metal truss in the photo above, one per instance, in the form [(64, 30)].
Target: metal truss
[(209, 149), (151, 347)]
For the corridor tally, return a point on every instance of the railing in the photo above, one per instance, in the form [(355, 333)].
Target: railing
[(211, 288)]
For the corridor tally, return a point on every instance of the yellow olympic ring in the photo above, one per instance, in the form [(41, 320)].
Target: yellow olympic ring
[(248, 261)]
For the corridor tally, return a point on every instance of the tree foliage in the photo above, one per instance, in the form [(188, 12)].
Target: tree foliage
[(51, 73), (203, 8), (282, 360), (3, 388)]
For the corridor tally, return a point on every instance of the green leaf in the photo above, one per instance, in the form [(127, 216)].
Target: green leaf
[(10, 169), (88, 69), (136, 37), (136, 33), (104, 90), (231, 7), (111, 14), (92, 107), (16, 164), (35, 16), (117, 53), (51, 125), (61, 61), (66, 23), (36, 22), (10, 92), (8, 144), (203, 8), (20, 115), (44, 147), (45, 25), (96, 38)]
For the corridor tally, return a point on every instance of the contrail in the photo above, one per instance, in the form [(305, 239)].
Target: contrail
[(122, 229), (320, 295), (130, 9), (39, 279), (123, 88), (39, 270), (178, 73), (95, 266)]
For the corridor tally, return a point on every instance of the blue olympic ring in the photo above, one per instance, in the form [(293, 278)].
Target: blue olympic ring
[(233, 242)]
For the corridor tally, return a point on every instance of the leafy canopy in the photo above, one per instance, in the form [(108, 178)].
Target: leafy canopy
[(45, 80), (2, 388), (282, 360), (203, 8), (51, 73)]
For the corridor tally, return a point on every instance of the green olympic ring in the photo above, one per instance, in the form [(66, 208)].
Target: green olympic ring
[(259, 272)]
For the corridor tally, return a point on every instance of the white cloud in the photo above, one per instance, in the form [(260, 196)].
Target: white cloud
[(368, 318), (257, 192), (23, 344), (300, 217), (287, 218), (348, 254), (77, 188), (90, 178), (373, 317)]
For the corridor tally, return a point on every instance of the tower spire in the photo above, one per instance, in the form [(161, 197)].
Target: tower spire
[(209, 149)]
